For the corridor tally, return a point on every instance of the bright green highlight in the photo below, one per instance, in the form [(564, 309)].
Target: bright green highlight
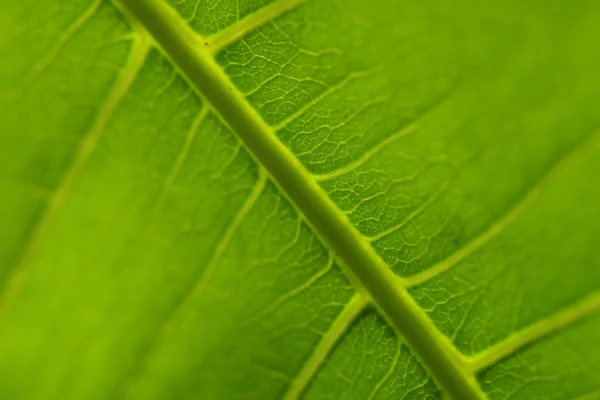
[(299, 200)]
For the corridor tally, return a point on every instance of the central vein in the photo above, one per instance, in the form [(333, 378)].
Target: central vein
[(182, 45)]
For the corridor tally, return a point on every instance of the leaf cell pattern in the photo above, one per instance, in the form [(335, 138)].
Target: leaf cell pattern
[(154, 252)]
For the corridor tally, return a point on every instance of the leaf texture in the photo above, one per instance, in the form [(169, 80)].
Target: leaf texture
[(299, 199)]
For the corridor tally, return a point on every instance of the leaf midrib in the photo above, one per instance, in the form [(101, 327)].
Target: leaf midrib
[(180, 43)]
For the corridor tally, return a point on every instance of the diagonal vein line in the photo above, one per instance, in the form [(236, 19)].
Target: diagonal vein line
[(366, 156), (390, 371), (255, 193), (363, 263), (349, 314), (86, 148), (181, 159), (351, 77), (385, 143), (294, 292), (536, 332), (62, 40), (249, 23), (200, 284), (505, 221), (415, 213)]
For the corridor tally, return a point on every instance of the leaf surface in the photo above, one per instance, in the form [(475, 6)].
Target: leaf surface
[(299, 199)]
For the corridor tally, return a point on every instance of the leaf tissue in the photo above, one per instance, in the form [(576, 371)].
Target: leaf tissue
[(299, 199)]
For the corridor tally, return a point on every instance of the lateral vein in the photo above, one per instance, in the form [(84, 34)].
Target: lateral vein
[(500, 225), (370, 153), (414, 214), (536, 332), (349, 314), (406, 130), (390, 371), (351, 77), (294, 292), (181, 158), (436, 352), (200, 284), (62, 40), (86, 148), (249, 23)]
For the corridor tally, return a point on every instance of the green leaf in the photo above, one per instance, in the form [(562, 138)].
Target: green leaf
[(299, 199)]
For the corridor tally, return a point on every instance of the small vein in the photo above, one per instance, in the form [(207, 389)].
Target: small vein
[(86, 148), (370, 153), (250, 23), (404, 131), (499, 226), (257, 190), (202, 281), (331, 90), (194, 13), (414, 214), (61, 41), (536, 332), (310, 368), (295, 292), (390, 370), (181, 158), (271, 373)]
